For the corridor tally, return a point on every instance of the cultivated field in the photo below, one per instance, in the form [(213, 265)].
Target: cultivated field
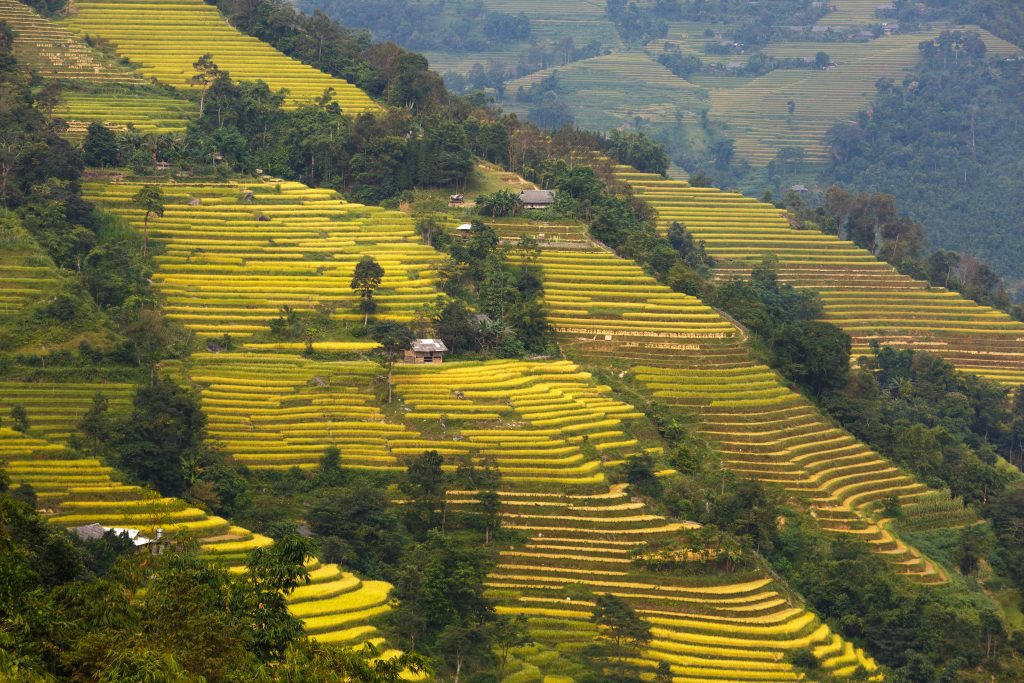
[(686, 354), (54, 52), (145, 111), (229, 264), (864, 296), (165, 37)]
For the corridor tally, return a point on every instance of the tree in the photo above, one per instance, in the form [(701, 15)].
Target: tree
[(489, 503), (975, 544), (425, 486), (308, 660), (206, 72), (500, 203), (815, 354), (96, 423), (149, 198), (330, 466), (365, 280), (100, 146), (359, 528), (441, 601), (271, 575), (166, 428), (822, 60), (394, 339), (509, 632), (620, 626), (457, 327), (19, 418)]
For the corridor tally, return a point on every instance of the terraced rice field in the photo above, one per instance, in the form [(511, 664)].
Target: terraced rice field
[(595, 90), (735, 630), (273, 410), (55, 52), (756, 112), (146, 112), (545, 424), (851, 14), (864, 296), (27, 275), (584, 539), (54, 410), (583, 20), (165, 37), (686, 354), (335, 607), (550, 234), (229, 264), (535, 420)]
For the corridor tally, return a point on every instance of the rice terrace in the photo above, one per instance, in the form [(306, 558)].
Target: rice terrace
[(511, 342)]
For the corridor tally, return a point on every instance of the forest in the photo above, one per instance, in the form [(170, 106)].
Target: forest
[(946, 143)]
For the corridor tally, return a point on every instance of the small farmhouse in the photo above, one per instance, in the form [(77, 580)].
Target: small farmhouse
[(537, 199), (425, 351), (464, 229)]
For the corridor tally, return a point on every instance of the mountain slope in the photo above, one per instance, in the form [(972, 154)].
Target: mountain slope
[(686, 354), (165, 38), (864, 296)]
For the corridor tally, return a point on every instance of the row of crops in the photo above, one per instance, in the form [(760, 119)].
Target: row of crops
[(686, 354), (234, 254), (737, 630), (164, 38), (557, 427), (26, 276), (95, 88), (864, 296), (335, 607), (277, 410), (147, 112), (554, 418), (55, 52)]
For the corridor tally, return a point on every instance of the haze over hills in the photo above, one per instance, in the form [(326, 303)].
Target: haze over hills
[(294, 384), (765, 97)]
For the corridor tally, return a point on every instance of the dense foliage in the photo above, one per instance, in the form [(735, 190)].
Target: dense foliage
[(382, 69), (1004, 19), (947, 144), (502, 282), (814, 354), (752, 23), (244, 127)]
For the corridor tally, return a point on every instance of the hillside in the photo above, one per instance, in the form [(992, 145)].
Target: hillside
[(556, 494), (629, 86), (208, 333), (164, 39), (335, 606), (861, 294), (972, 110)]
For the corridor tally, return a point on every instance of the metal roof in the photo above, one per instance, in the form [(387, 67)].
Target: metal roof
[(537, 196), (428, 345)]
